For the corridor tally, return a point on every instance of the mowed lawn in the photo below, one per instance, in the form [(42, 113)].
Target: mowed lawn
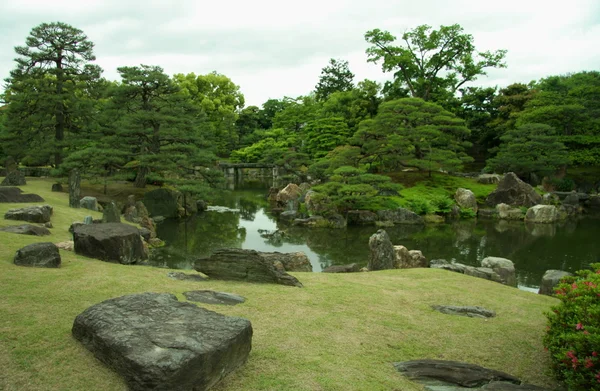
[(339, 332)]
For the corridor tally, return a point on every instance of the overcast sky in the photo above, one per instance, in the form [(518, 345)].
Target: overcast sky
[(276, 48)]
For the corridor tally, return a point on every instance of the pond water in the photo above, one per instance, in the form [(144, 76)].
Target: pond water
[(533, 248)]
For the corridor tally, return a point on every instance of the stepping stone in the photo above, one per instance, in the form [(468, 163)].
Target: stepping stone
[(471, 312), (26, 229), (212, 297)]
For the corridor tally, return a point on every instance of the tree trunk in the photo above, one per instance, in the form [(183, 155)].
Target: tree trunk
[(140, 179), (74, 188)]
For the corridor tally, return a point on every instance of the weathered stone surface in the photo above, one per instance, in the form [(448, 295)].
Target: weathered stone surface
[(288, 215), (451, 373), (74, 188), (185, 277), (145, 233), (418, 259), (361, 217), (57, 187), (67, 245), (445, 265), (88, 202), (38, 255), (243, 265), (14, 194), (571, 199), (543, 214), (382, 254), (504, 386), (289, 193), (507, 212), (111, 213), (405, 259), (550, 280), (14, 178), (158, 343), (26, 229), (334, 221), (88, 220), (292, 262), (488, 179), (465, 198), (550, 199), (400, 216), (351, 268), (212, 297), (272, 194), (514, 192), (33, 214), (318, 204), (469, 311), (148, 223), (482, 272), (505, 268), (110, 242)]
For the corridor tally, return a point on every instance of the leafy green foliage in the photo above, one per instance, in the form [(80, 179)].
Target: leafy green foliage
[(335, 77), (467, 213), (573, 333)]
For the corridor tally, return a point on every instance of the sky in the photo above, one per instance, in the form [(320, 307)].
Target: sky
[(277, 48)]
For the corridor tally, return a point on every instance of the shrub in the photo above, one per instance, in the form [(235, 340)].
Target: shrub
[(573, 332), (441, 204), (420, 206), (467, 213)]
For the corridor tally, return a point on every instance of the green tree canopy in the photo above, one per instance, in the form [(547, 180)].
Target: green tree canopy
[(335, 77)]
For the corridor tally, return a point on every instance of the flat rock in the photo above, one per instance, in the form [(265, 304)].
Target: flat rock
[(38, 255), (292, 262), (110, 242), (26, 229), (350, 268), (212, 297), (185, 277), (33, 214), (470, 311), (158, 343), (14, 194), (14, 178)]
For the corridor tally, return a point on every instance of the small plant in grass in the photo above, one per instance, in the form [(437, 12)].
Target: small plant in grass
[(467, 213), (442, 204), (420, 206), (573, 332)]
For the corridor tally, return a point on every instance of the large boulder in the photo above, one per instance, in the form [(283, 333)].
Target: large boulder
[(14, 178), (292, 262), (418, 259), (505, 268), (110, 242), (88, 202), (156, 342), (507, 212), (542, 214), (513, 191), (14, 194), (405, 259), (550, 280), (400, 216), (382, 254), (361, 217), (26, 229), (289, 194), (33, 214), (111, 214), (465, 198), (243, 265), (38, 255)]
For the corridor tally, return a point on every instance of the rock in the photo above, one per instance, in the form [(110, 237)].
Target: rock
[(506, 212), (568, 211), (33, 214), (243, 265), (88, 220), (503, 386), (418, 259), (156, 242), (405, 259), (130, 214), (471, 312), (212, 297), (74, 188), (48, 225), (156, 342), (351, 268), (148, 223), (543, 214), (111, 213), (74, 225), (487, 213), (513, 191), (550, 199), (289, 193), (451, 373), (158, 219), (67, 245), (26, 229), (336, 221), (292, 262), (318, 204), (400, 216), (361, 217), (550, 280), (272, 195), (14, 178), (144, 233), (485, 273), (288, 216), (571, 199), (14, 194), (57, 187), (445, 265), (382, 254), (488, 179), (185, 277), (505, 268), (90, 203), (38, 255), (168, 203), (466, 199), (110, 242)]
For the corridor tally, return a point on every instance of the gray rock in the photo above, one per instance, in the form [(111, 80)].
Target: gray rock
[(290, 193), (158, 219), (14, 178), (88, 220), (482, 272), (145, 233), (318, 204), (361, 217), (292, 262), (26, 229), (33, 214), (550, 280), (550, 199), (185, 277), (405, 259), (336, 221), (243, 265), (571, 199), (351, 268), (88, 202), (488, 179), (418, 259), (400, 216), (288, 215), (111, 213), (110, 242), (212, 297), (505, 268), (542, 214), (466, 199), (382, 254), (514, 192), (38, 255), (507, 212), (157, 343), (470, 311), (453, 267), (14, 194)]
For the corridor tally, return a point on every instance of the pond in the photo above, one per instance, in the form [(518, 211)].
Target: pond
[(533, 248)]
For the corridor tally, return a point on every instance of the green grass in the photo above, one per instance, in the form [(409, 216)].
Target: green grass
[(339, 332)]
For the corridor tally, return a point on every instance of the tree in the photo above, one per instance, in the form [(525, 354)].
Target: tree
[(355, 105), (335, 77), (46, 91), (431, 64), (530, 149), (324, 134)]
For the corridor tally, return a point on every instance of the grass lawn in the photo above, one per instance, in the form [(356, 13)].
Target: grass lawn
[(339, 332)]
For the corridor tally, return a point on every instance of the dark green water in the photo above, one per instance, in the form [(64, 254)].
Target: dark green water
[(533, 248)]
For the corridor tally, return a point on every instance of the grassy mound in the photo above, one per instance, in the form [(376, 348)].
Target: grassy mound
[(339, 332)]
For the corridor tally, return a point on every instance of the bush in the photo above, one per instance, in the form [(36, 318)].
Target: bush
[(467, 213), (420, 206), (442, 204), (573, 332)]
